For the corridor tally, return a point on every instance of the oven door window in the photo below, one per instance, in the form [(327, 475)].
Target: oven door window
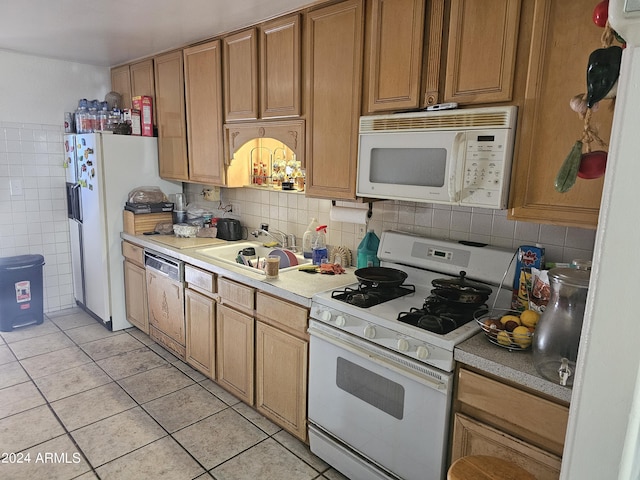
[(424, 167), (368, 386)]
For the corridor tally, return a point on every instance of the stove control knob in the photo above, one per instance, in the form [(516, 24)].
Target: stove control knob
[(340, 321), (325, 315), (370, 331), (422, 352), (403, 345)]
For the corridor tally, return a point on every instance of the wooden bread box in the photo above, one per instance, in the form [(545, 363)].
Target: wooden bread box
[(137, 224)]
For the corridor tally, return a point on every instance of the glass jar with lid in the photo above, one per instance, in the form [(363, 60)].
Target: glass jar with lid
[(557, 335)]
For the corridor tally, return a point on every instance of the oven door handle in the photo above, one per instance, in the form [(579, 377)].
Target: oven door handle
[(368, 351)]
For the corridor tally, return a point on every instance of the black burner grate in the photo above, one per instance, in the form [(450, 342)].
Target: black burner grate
[(439, 316), (367, 296)]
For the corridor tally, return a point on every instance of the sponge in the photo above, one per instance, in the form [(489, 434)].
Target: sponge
[(270, 244)]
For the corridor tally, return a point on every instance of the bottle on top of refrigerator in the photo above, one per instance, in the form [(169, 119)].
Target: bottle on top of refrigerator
[(103, 117), (82, 117), (368, 250), (93, 115), (320, 251), (308, 238)]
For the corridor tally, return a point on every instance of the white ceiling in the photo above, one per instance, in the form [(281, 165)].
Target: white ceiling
[(112, 32)]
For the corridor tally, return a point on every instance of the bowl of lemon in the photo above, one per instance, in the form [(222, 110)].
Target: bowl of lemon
[(509, 329)]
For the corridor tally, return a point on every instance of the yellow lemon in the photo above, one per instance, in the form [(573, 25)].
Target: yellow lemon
[(522, 336), (529, 318)]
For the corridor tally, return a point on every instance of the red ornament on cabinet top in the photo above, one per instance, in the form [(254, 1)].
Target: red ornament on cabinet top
[(601, 13)]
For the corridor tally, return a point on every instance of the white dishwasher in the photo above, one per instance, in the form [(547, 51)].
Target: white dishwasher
[(165, 294)]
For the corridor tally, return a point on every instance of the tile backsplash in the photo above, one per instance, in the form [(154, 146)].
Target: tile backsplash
[(33, 206), (291, 212)]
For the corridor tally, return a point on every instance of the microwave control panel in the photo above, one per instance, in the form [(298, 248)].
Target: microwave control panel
[(486, 168)]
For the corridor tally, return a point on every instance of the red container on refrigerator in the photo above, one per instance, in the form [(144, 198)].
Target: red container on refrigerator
[(145, 105)]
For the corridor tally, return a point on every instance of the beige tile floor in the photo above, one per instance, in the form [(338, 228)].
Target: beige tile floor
[(80, 402)]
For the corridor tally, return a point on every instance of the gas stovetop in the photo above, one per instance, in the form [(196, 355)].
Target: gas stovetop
[(408, 319)]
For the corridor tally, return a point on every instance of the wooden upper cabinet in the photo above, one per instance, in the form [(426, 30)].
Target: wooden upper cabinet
[(393, 54), (121, 83), (172, 135), (203, 95), (562, 38), (483, 37), (241, 75), (142, 81), (333, 66), (280, 67)]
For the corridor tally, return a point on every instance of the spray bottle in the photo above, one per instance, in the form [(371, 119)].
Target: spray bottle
[(320, 252)]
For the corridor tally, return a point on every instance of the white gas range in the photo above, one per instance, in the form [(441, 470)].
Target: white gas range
[(380, 386)]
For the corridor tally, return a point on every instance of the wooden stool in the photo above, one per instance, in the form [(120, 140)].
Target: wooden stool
[(481, 467)]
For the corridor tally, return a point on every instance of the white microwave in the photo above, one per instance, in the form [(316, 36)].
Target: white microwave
[(456, 157)]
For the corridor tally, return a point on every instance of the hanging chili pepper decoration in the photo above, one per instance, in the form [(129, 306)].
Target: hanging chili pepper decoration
[(602, 73)]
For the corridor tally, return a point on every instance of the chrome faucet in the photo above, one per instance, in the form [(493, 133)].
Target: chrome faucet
[(285, 241)]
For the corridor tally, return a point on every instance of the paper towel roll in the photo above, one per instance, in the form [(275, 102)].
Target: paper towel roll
[(349, 215)]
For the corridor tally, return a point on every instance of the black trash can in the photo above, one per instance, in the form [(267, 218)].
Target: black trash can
[(21, 291)]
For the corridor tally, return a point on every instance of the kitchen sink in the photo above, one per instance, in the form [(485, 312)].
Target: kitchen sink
[(229, 254)]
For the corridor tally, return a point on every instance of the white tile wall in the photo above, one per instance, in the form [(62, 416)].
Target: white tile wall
[(33, 208), (291, 212)]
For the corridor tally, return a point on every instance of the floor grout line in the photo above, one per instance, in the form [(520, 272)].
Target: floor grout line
[(319, 474)]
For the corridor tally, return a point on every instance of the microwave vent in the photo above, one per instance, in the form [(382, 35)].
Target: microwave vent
[(455, 120)]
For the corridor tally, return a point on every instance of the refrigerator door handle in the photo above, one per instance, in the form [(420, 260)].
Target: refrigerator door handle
[(77, 203), (70, 201)]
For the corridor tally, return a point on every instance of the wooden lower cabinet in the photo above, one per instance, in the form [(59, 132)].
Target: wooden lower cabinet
[(500, 420), (200, 318), (281, 378), (471, 437), (235, 353), (135, 296), (135, 286), (282, 360)]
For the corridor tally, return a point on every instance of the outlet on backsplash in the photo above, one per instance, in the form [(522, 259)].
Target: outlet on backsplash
[(361, 230), (211, 194)]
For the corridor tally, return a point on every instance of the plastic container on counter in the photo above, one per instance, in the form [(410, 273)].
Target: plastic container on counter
[(368, 250)]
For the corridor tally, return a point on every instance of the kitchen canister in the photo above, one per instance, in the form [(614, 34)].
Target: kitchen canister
[(557, 335)]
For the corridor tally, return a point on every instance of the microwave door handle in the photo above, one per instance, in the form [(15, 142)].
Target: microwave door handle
[(455, 175)]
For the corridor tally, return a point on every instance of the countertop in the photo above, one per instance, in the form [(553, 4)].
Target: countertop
[(515, 366), (294, 286), (298, 287)]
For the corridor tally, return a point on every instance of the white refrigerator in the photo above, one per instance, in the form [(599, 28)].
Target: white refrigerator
[(603, 434), (101, 171)]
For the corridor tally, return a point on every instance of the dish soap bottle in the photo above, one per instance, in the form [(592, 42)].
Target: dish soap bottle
[(308, 239), (368, 250), (320, 251)]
